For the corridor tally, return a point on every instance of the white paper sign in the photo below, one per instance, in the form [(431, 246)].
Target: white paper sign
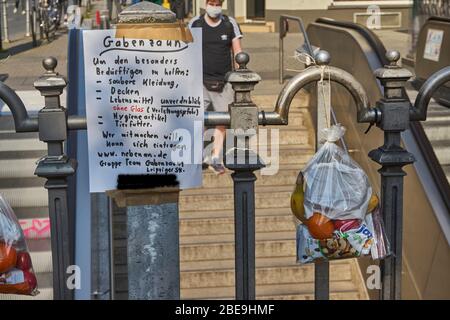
[(144, 105), (433, 45)]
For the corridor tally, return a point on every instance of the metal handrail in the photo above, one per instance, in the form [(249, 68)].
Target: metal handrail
[(434, 82), (284, 28), (314, 74), (22, 121)]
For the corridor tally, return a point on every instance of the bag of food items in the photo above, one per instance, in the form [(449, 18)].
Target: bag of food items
[(339, 213), (16, 270)]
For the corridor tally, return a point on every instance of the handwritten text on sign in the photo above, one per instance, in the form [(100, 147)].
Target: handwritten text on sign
[(144, 105)]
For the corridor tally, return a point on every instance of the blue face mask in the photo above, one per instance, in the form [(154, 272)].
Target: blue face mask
[(213, 11)]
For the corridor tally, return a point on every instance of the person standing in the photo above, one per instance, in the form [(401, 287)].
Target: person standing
[(22, 6), (221, 36)]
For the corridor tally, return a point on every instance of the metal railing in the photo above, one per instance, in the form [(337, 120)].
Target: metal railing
[(392, 114), (284, 29)]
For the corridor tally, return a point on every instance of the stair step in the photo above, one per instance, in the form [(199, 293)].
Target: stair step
[(42, 261), (267, 102), (31, 212), (447, 171), (438, 115), (291, 154), (205, 227), (287, 136), (210, 238), (283, 176), (195, 214), (225, 250), (26, 197), (213, 226), (22, 145), (257, 27), (228, 293), (345, 295), (290, 289), (437, 130), (24, 154), (442, 150), (22, 182), (17, 168), (11, 134), (264, 276), (217, 199), (230, 263)]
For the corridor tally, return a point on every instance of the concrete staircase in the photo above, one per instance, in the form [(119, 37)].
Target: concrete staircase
[(207, 229), (28, 198), (257, 27)]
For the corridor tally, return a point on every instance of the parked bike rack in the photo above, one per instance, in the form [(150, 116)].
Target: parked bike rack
[(391, 114)]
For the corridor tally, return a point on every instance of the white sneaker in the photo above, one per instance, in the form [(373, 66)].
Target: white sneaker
[(216, 166), (15, 10), (23, 12)]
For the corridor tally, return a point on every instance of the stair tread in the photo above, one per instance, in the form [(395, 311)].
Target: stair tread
[(22, 145), (228, 213), (200, 191), (436, 123), (36, 197), (263, 290)]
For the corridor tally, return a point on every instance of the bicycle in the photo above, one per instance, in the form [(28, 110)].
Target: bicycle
[(46, 16)]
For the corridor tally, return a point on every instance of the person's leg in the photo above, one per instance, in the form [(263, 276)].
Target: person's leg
[(219, 137), (207, 105), (220, 103)]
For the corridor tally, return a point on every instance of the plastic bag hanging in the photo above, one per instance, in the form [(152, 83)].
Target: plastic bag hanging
[(16, 269), (336, 186), (333, 199)]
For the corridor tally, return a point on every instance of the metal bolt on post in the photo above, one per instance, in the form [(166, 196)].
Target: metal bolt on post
[(395, 110), (56, 167), (244, 117)]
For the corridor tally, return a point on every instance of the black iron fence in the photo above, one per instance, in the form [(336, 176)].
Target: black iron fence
[(392, 114)]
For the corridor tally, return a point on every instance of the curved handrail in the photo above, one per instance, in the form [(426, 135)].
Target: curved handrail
[(417, 131), (22, 121), (364, 31), (436, 80), (314, 74)]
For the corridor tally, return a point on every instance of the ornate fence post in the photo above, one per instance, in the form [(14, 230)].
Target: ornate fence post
[(395, 110), (244, 161), (56, 167)]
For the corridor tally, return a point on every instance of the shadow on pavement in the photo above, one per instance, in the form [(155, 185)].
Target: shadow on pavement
[(27, 44), (16, 49)]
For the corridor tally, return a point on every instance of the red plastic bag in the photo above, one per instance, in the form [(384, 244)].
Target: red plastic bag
[(16, 269)]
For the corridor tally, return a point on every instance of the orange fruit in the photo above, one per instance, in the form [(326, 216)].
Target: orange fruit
[(8, 257), (319, 226)]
